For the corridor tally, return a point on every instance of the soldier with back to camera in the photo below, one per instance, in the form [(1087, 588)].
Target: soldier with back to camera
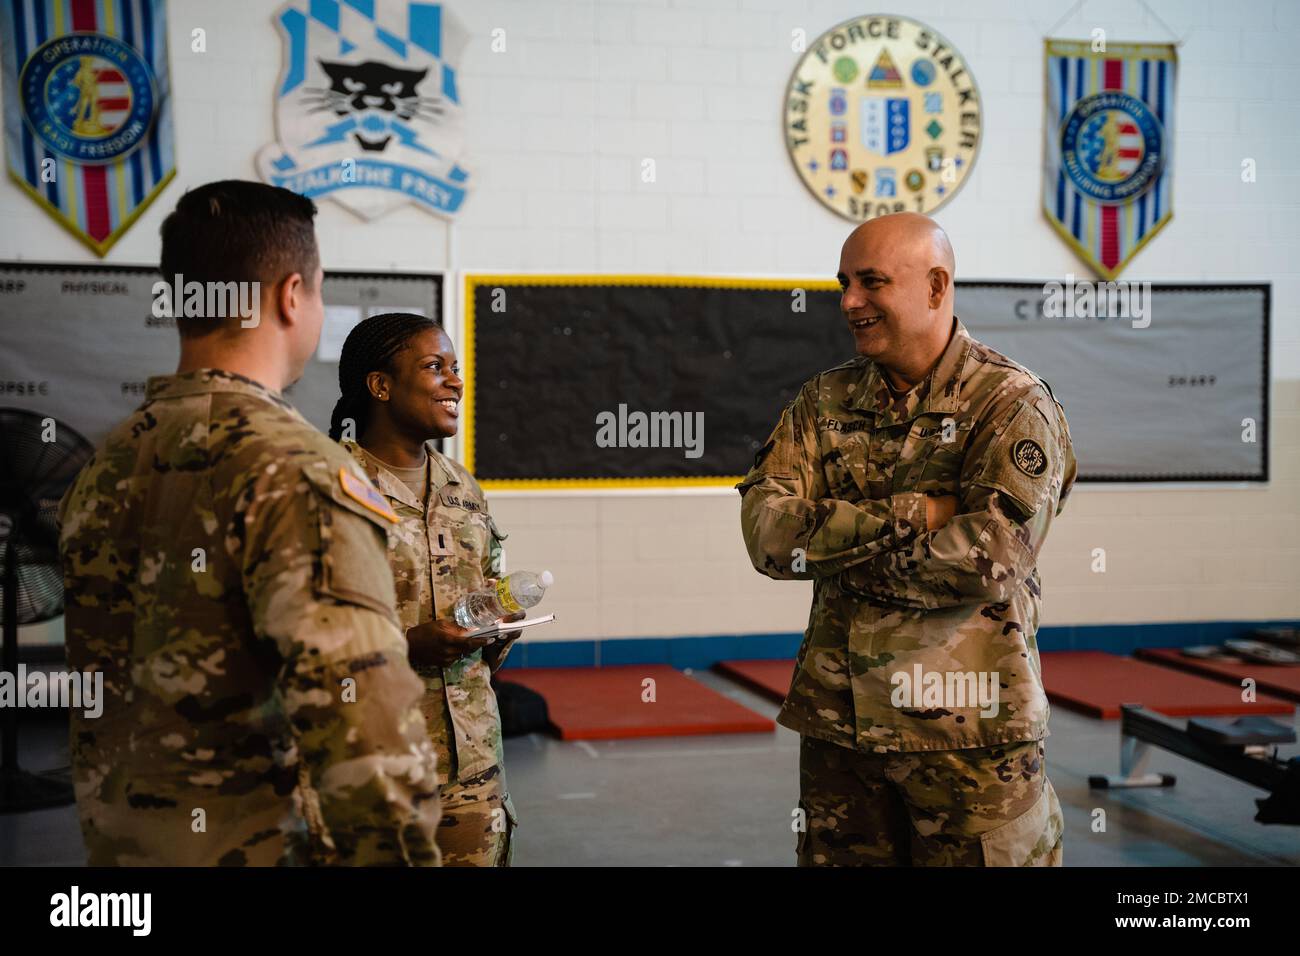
[(226, 571)]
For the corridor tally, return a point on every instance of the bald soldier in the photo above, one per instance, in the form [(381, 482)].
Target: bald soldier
[(226, 571), (914, 485)]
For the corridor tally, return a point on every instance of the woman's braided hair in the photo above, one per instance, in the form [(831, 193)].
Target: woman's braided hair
[(370, 347)]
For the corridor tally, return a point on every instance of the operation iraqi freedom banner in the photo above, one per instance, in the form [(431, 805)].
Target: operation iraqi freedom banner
[(88, 111), (1166, 402), (79, 342)]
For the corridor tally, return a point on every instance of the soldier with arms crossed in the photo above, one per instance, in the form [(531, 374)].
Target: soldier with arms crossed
[(226, 571), (915, 485)]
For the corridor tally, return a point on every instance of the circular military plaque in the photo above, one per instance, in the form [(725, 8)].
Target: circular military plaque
[(882, 115)]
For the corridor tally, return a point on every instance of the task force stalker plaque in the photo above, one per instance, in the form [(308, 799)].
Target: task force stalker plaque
[(882, 115)]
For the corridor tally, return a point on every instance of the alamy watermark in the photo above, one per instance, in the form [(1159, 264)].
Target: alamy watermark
[(1085, 299), (75, 908), (67, 689), (626, 429), (947, 690), (179, 299)]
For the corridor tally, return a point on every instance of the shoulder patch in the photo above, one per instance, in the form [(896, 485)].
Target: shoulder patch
[(365, 495), (1029, 457), (1021, 463)]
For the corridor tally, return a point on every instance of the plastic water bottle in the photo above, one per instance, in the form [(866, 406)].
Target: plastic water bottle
[(512, 594)]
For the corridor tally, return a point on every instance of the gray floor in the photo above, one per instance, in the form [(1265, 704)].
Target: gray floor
[(727, 801)]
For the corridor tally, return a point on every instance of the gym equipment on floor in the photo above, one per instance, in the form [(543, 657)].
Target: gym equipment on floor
[(1245, 749)]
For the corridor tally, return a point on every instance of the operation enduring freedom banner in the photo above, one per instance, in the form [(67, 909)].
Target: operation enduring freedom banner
[(88, 116), (1109, 133)]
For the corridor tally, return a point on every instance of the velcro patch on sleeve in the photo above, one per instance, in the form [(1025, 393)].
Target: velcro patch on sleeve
[(1029, 457), (1021, 461), (364, 494), (772, 459)]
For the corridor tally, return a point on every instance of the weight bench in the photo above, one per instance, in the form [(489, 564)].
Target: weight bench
[(1245, 749)]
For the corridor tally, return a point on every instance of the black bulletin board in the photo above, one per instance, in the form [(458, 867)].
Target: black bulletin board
[(567, 348)]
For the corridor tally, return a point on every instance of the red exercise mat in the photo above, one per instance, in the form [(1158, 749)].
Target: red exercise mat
[(769, 678), (1280, 679), (601, 703), (1096, 683)]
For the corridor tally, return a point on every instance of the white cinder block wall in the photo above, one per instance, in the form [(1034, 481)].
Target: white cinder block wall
[(586, 89)]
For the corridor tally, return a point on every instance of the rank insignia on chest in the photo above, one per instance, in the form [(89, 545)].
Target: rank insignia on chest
[(365, 495), (1029, 457)]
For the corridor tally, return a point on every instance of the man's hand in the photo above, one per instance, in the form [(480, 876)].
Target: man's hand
[(939, 511), (442, 643)]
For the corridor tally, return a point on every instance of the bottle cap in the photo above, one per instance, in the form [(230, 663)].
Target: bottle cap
[(545, 579)]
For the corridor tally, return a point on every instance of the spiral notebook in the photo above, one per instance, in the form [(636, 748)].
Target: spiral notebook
[(508, 627)]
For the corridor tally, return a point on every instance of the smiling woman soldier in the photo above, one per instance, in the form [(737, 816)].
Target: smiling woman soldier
[(400, 391)]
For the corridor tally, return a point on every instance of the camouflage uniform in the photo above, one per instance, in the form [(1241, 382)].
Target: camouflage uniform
[(984, 806), (224, 566), (441, 549), (838, 495)]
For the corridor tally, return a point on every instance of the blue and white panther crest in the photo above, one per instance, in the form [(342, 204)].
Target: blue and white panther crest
[(367, 112)]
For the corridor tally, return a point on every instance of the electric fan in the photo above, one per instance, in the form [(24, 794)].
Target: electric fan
[(39, 457)]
